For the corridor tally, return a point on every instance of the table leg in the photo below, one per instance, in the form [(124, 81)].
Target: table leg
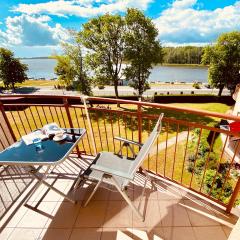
[(32, 171), (41, 180)]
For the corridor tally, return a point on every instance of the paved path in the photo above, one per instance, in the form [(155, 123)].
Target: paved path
[(125, 90), (171, 141)]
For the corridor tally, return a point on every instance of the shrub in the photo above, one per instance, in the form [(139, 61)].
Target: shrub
[(191, 158), (203, 148), (101, 86), (69, 88), (212, 161), (208, 180), (217, 186), (223, 168), (196, 85), (190, 167), (237, 202), (200, 163), (196, 131)]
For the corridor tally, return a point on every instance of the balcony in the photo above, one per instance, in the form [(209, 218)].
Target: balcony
[(196, 186)]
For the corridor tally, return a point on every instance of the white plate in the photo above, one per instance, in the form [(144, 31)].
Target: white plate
[(55, 138)]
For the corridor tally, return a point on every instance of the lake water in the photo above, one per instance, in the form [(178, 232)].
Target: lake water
[(44, 68), (40, 68)]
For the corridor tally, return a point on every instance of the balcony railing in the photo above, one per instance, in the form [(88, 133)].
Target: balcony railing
[(190, 151)]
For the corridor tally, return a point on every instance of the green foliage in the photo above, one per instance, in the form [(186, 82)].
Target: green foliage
[(191, 158), (110, 39), (81, 80), (218, 184), (64, 70), (190, 167), (196, 85), (223, 168), (103, 37), (207, 160), (71, 67), (12, 71), (203, 147), (142, 49), (183, 55), (237, 202), (200, 163), (224, 61), (212, 161), (100, 86)]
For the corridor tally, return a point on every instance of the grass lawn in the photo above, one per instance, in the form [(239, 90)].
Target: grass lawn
[(162, 84), (212, 107), (120, 124), (35, 83), (108, 125)]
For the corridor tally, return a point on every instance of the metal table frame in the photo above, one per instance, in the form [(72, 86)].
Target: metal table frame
[(41, 177)]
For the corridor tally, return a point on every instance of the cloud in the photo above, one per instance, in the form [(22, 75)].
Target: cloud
[(35, 51), (81, 8), (179, 4), (25, 30), (182, 24), (3, 39)]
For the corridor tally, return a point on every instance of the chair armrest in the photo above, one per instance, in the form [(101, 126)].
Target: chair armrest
[(111, 171), (128, 141)]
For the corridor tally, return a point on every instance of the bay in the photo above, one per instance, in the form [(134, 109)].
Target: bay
[(40, 68), (44, 68)]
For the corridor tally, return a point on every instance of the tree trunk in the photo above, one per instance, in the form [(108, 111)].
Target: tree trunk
[(13, 87), (220, 91), (116, 90)]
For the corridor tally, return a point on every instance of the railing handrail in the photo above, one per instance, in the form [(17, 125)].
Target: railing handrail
[(64, 102), (137, 103)]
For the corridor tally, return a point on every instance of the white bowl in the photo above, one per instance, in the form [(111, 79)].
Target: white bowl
[(59, 137)]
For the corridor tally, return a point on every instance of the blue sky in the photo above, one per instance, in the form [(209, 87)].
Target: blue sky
[(37, 27)]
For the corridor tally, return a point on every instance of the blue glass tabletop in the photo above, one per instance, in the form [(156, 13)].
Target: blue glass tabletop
[(43, 153)]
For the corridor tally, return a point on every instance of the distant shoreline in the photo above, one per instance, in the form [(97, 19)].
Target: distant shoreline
[(26, 58), (43, 68), (182, 65), (163, 64)]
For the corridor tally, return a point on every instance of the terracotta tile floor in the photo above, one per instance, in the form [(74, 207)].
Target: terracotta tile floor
[(170, 212)]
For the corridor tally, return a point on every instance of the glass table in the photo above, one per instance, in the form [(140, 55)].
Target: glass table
[(47, 153)]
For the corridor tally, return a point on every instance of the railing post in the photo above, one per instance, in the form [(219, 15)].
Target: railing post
[(7, 122), (233, 197), (84, 100), (139, 116), (66, 105)]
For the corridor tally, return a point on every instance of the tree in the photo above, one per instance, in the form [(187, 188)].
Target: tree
[(103, 38), (71, 67), (12, 71), (224, 61), (64, 70), (142, 49)]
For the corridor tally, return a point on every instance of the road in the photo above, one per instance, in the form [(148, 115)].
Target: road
[(124, 91)]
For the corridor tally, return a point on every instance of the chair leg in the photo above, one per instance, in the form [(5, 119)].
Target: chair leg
[(77, 183), (92, 193), (149, 178), (124, 195)]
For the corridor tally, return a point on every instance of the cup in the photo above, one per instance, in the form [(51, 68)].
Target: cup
[(38, 143), (58, 136)]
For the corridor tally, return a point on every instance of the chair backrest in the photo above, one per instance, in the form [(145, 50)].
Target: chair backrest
[(146, 146)]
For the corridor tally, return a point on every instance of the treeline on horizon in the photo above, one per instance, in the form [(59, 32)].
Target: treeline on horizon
[(182, 55), (173, 55)]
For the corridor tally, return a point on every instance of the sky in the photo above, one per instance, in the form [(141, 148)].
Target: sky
[(33, 28)]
